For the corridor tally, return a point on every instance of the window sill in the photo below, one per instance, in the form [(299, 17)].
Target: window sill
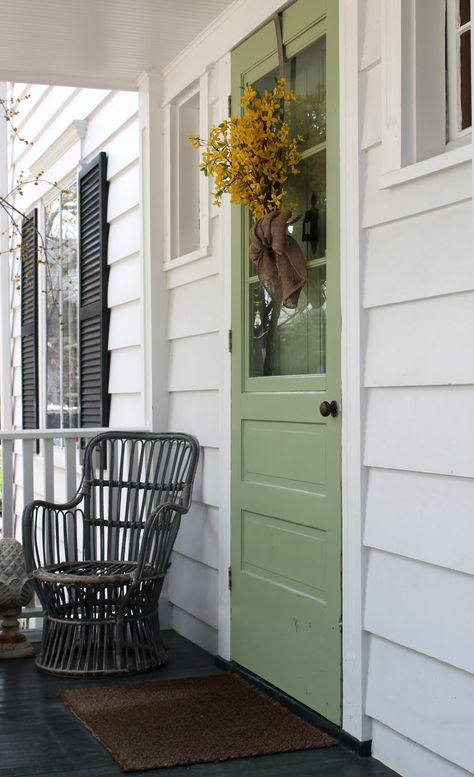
[(450, 158), (199, 253)]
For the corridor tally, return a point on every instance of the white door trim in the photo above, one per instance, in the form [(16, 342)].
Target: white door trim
[(354, 649)]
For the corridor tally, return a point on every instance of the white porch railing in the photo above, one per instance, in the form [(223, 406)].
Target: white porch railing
[(41, 477), (19, 450)]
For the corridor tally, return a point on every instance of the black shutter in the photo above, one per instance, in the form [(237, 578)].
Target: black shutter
[(29, 321), (93, 311)]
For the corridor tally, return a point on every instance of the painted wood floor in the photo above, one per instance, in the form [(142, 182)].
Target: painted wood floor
[(40, 738)]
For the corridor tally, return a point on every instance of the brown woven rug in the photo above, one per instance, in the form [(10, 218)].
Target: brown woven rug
[(190, 720)]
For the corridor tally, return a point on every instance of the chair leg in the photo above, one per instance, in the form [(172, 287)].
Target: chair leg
[(119, 645)]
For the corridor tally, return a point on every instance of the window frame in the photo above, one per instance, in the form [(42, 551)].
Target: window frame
[(72, 178), (414, 90), (453, 63), (171, 163)]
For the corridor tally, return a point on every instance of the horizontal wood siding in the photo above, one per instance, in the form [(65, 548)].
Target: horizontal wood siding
[(417, 288), (195, 376)]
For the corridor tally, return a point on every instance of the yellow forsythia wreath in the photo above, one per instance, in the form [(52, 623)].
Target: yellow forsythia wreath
[(251, 156)]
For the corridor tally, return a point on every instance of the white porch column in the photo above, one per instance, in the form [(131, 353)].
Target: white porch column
[(354, 643), (154, 294), (5, 344)]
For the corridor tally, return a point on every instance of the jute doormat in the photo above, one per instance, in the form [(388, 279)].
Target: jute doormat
[(191, 720)]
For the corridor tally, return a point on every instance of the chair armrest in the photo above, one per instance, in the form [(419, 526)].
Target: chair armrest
[(158, 538), (50, 532)]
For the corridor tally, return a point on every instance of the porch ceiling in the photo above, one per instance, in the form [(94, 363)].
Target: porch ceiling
[(98, 43)]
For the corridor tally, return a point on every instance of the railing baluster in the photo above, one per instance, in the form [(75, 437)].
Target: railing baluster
[(48, 463), (7, 495), (71, 480), (28, 474)]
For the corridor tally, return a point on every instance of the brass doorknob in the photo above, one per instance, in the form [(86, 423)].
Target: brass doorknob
[(328, 408)]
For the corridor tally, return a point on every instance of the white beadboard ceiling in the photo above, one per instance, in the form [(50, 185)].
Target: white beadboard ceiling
[(98, 43)]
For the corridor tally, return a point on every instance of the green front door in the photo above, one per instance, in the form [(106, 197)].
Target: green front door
[(286, 470)]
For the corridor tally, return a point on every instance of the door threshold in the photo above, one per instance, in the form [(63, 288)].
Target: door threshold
[(362, 749)]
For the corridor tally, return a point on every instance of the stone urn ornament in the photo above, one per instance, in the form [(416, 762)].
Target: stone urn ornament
[(16, 590)]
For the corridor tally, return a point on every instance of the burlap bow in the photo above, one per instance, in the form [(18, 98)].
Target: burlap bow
[(281, 266)]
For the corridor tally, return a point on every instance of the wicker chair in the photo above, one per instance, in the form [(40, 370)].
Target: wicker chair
[(98, 562)]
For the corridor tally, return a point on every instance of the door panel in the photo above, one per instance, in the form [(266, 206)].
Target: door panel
[(286, 534)]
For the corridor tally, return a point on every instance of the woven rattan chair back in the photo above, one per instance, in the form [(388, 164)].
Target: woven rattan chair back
[(99, 561), (125, 479)]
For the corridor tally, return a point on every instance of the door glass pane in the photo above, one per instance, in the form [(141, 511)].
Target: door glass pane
[(306, 77), (284, 341), (307, 198), (289, 342)]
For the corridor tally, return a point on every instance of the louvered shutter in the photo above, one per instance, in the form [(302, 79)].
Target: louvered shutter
[(29, 321), (93, 311)]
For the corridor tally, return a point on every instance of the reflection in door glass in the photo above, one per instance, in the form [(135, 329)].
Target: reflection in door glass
[(307, 197), (289, 342), (283, 341), (306, 77)]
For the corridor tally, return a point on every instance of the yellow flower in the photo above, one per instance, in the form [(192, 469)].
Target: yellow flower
[(250, 156)]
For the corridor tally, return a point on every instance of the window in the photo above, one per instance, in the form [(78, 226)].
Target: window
[(426, 87), (76, 353), (62, 300), (185, 215), (187, 227), (458, 44)]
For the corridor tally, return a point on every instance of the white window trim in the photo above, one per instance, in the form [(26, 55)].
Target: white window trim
[(453, 38), (453, 157), (170, 262), (59, 451), (406, 123)]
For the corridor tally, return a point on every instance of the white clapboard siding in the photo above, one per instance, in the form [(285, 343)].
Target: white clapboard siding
[(383, 205), (198, 536), (429, 342), (195, 377), (127, 410), (125, 328), (201, 633), (195, 308), (78, 106), (124, 235), (40, 108), (422, 429), (426, 700), (408, 758), (417, 287), (194, 363), (124, 194), (421, 607), (370, 34), (426, 255), (37, 93), (126, 370), (122, 147), (125, 278), (197, 412), (123, 106), (424, 517), (370, 85), (195, 271), (193, 587)]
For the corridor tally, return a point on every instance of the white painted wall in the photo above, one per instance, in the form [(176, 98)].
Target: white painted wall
[(417, 288), (197, 365), (112, 126)]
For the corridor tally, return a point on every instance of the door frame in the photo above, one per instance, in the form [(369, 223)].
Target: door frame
[(353, 486)]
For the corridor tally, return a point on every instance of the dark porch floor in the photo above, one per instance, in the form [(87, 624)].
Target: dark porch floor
[(38, 736)]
